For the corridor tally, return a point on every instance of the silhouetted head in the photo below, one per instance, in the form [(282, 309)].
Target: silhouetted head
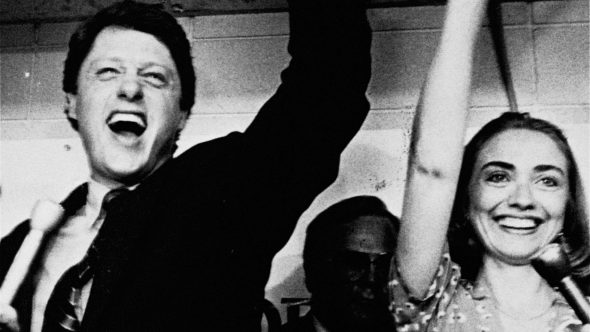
[(347, 257)]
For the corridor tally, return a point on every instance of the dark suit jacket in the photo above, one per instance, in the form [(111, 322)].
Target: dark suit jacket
[(303, 324), (191, 247)]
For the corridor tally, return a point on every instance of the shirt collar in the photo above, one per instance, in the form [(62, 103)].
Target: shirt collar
[(96, 193), (481, 290)]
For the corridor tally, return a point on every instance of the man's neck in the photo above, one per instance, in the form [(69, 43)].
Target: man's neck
[(111, 183)]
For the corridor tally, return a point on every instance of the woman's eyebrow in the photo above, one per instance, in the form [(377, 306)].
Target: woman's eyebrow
[(501, 164), (544, 168)]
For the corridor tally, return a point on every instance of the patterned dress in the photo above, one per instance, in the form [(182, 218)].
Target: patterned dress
[(453, 304)]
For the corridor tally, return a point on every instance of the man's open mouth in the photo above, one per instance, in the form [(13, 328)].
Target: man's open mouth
[(127, 123)]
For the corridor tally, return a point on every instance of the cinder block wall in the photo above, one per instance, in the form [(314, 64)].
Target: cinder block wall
[(238, 60)]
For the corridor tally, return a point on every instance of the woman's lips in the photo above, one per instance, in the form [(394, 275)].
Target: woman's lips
[(519, 225)]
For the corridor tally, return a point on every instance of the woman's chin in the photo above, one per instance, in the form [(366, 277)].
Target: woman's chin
[(514, 256)]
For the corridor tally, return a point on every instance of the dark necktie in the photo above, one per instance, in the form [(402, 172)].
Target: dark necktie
[(60, 313)]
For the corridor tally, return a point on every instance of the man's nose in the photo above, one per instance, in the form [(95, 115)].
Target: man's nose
[(368, 293), (372, 272), (522, 196), (130, 89)]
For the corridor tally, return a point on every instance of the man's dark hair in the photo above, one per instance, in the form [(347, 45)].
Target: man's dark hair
[(147, 18), (322, 237)]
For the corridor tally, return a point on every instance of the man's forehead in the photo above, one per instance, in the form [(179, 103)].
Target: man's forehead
[(371, 234), (119, 42)]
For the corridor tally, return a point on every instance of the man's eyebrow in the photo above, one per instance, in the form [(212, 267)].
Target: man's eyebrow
[(151, 64), (111, 58), (94, 62)]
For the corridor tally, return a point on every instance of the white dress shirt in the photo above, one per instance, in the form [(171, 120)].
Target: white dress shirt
[(65, 249)]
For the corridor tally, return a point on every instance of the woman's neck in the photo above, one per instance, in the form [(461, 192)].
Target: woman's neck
[(516, 288)]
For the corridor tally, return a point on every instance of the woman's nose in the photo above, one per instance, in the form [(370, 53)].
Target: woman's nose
[(522, 196)]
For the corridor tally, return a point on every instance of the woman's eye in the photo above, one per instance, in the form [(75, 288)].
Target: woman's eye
[(497, 177), (106, 73), (549, 182)]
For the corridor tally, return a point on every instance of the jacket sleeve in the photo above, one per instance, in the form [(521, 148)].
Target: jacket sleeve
[(294, 144), (268, 176), (321, 102)]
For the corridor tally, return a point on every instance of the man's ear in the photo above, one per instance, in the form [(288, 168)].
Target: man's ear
[(183, 120), (181, 124), (70, 106), (70, 110)]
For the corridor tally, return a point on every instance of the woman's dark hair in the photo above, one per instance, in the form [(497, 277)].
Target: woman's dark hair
[(464, 244), (320, 240), (151, 19)]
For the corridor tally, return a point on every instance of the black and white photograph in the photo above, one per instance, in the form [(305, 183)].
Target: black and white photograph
[(295, 165)]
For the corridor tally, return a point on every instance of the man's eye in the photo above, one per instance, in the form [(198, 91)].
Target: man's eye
[(155, 79), (106, 73)]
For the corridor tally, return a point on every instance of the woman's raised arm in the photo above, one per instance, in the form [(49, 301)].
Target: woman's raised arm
[(437, 147)]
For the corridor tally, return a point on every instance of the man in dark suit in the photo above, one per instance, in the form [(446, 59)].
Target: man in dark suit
[(189, 245), (346, 257)]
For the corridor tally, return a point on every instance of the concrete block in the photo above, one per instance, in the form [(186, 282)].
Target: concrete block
[(16, 35), (237, 75), (560, 11), (16, 76), (47, 96), (55, 34), (562, 64), (222, 26)]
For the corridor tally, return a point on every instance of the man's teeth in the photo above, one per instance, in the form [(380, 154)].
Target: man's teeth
[(127, 117), (127, 123), (517, 223)]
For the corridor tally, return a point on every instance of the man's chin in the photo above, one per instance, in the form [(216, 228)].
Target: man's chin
[(132, 178), (115, 176)]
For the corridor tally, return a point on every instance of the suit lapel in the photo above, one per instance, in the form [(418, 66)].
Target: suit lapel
[(119, 245), (75, 200), (116, 243)]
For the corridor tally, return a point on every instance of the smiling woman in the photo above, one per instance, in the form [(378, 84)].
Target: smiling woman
[(516, 190), (518, 198), (532, 190)]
